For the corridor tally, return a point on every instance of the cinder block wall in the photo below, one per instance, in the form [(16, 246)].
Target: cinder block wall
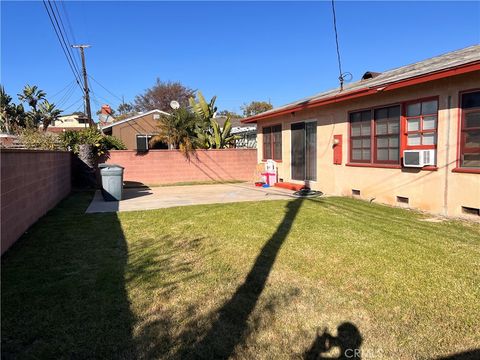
[(32, 183), (171, 166)]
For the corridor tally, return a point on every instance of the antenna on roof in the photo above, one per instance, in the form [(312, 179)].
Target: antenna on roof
[(343, 77)]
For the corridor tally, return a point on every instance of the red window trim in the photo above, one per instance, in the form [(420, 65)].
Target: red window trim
[(404, 132), (391, 162), (460, 137), (373, 138), (350, 138), (374, 165), (466, 170), (402, 136), (272, 149), (389, 166)]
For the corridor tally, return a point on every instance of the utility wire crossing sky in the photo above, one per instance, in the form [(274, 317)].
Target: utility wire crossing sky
[(239, 51)]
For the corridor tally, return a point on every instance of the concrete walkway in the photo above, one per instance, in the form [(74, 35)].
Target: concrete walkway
[(170, 196)]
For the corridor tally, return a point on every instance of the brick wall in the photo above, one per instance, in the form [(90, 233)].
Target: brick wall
[(171, 166), (32, 183)]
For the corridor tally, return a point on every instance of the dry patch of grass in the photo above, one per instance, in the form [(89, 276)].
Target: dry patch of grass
[(266, 280)]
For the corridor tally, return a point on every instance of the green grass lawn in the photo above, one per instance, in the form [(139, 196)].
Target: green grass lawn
[(267, 280)]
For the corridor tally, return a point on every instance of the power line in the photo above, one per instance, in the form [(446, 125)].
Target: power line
[(69, 24), (69, 43), (108, 101), (59, 92), (67, 96), (73, 104), (78, 108), (62, 46), (111, 93), (340, 77)]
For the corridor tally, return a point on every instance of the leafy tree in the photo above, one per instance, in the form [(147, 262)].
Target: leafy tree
[(229, 114), (255, 107), (124, 108), (161, 94), (179, 131), (49, 113)]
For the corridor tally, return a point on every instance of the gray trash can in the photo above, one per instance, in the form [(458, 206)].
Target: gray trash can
[(112, 181)]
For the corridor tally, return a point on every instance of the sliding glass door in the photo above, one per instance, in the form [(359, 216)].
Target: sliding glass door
[(304, 151)]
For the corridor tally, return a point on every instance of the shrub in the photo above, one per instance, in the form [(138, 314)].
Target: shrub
[(33, 139), (91, 136)]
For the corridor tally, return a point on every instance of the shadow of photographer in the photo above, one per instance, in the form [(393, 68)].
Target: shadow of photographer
[(347, 344)]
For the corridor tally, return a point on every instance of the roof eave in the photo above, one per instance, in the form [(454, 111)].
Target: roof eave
[(415, 80), (134, 118)]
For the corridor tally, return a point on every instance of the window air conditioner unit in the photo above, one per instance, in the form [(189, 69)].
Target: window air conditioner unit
[(418, 158)]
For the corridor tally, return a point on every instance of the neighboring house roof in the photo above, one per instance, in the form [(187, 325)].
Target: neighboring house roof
[(452, 63), (237, 125), (135, 117), (236, 122)]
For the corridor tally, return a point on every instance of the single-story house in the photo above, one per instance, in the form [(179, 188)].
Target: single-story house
[(408, 136), (136, 131)]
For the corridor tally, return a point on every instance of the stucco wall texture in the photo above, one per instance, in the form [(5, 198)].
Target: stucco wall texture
[(442, 191), (127, 131), (32, 183)]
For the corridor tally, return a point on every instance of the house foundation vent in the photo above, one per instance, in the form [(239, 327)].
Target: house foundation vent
[(470, 211), (355, 192), (402, 200)]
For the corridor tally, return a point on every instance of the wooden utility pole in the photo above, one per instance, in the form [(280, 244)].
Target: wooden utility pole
[(85, 83)]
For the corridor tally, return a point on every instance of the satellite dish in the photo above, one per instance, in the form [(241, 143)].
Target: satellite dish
[(174, 104)]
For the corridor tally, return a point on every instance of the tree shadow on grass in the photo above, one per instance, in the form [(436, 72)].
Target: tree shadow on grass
[(230, 325), (64, 284), (63, 287)]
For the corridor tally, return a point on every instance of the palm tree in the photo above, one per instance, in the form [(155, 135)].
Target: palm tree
[(12, 116), (5, 106), (32, 95), (178, 130), (48, 113)]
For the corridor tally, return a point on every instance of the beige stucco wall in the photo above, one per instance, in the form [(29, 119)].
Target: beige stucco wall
[(127, 131), (442, 191)]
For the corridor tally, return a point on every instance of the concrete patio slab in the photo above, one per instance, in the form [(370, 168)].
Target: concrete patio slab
[(171, 196)]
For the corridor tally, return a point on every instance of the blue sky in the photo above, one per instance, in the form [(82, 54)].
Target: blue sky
[(239, 51)]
